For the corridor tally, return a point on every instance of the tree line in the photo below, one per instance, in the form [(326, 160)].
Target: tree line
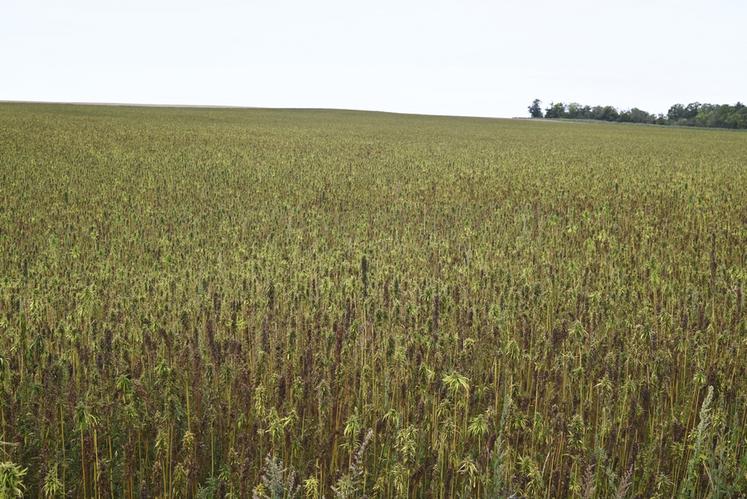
[(693, 114)]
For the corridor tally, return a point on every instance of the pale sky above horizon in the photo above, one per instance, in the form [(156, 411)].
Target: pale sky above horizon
[(461, 58)]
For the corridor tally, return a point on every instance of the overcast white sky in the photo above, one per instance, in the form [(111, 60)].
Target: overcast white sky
[(461, 57)]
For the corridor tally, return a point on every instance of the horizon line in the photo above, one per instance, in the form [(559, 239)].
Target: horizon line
[(233, 106)]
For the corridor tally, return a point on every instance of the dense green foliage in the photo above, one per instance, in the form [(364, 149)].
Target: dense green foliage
[(535, 110), (207, 302), (708, 115), (694, 114)]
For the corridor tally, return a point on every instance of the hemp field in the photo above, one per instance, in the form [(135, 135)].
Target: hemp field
[(391, 305)]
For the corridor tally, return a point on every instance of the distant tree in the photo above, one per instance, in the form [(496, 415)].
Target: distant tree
[(609, 113), (684, 115), (596, 112), (640, 116), (556, 110), (693, 114), (636, 115), (535, 111), (676, 113), (739, 115), (574, 110), (691, 111)]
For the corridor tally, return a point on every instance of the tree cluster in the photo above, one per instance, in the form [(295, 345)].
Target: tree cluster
[(693, 114)]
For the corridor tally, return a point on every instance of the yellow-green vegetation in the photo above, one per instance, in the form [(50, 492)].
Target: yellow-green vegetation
[(224, 302)]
